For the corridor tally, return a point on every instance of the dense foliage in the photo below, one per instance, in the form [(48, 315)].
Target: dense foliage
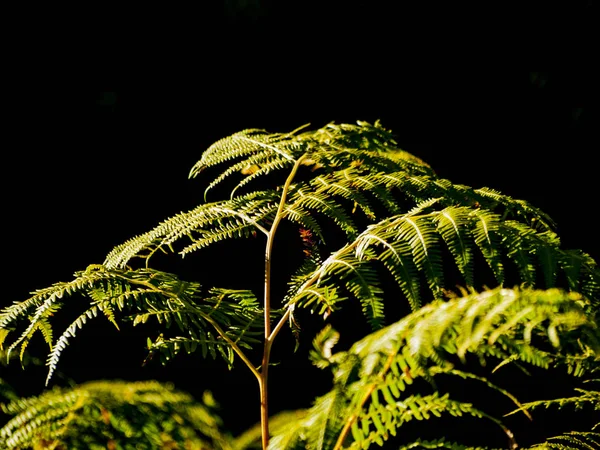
[(372, 226)]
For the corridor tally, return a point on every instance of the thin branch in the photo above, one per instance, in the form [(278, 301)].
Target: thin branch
[(264, 372), (280, 324)]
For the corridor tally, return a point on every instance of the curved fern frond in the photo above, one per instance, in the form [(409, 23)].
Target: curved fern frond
[(202, 226), (441, 443), (587, 398), (112, 414), (574, 440), (377, 374), (449, 225), (415, 246), (220, 320)]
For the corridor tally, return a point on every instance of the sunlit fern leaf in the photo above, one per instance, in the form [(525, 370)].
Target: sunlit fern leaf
[(253, 167), (378, 186), (375, 424), (397, 258), (359, 278), (587, 398), (253, 210), (582, 273), (420, 237), (327, 148), (315, 430), (303, 217), (423, 240), (344, 187), (209, 344), (232, 316), (450, 226), (323, 343), (268, 166), (522, 209), (573, 440), (441, 444), (322, 204), (63, 340), (491, 324), (19, 311), (151, 414), (548, 258), (363, 283), (232, 229), (249, 148), (45, 328), (411, 244), (486, 237), (513, 234), (244, 143)]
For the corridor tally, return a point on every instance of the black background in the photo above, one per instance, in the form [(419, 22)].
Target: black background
[(106, 111)]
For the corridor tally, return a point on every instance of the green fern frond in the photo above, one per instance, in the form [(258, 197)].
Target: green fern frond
[(250, 143), (486, 238), (499, 322), (63, 340), (303, 217), (113, 413), (360, 280), (520, 209), (315, 430), (586, 398), (254, 210), (449, 223), (256, 153), (574, 440), (323, 342), (440, 443), (344, 186), (376, 424), (320, 203), (412, 244), (221, 319)]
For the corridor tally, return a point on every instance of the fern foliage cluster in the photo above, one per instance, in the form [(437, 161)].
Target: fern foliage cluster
[(376, 389), (378, 229), (114, 415)]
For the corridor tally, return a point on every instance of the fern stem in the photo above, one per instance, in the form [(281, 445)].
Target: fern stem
[(281, 322), (264, 371)]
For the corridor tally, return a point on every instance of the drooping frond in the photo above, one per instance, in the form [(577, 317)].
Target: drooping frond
[(573, 440), (256, 153), (216, 322), (587, 398), (420, 244), (112, 414), (391, 202), (202, 226), (440, 444), (375, 390), (249, 150), (588, 402)]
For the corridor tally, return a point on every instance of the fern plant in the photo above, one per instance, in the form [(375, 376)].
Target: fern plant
[(375, 229), (113, 414)]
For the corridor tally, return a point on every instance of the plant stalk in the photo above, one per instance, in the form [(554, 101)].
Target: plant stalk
[(264, 370)]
